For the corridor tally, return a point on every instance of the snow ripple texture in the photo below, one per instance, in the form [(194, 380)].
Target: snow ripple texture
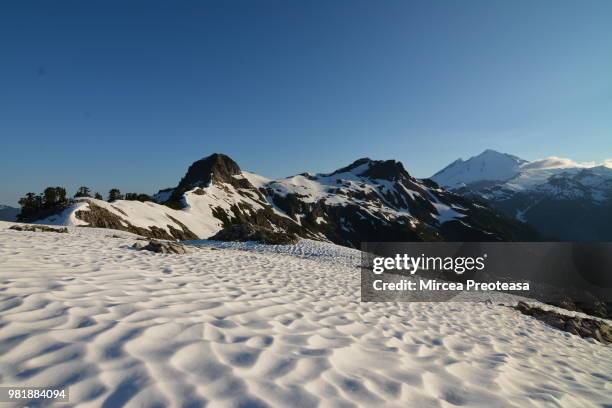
[(259, 327)]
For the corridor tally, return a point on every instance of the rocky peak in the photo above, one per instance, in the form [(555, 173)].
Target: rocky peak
[(357, 163), (386, 170), (391, 170), (216, 168)]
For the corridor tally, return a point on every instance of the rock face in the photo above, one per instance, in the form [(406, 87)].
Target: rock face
[(594, 307), (217, 168), (248, 232), (162, 247), (597, 329), (38, 228)]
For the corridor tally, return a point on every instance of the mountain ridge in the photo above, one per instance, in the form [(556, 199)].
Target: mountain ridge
[(8, 213), (375, 200)]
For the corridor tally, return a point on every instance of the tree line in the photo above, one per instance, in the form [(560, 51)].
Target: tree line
[(54, 199)]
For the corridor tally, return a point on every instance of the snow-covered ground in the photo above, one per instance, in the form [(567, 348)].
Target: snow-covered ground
[(252, 326)]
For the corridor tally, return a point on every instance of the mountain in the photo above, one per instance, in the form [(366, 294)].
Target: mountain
[(368, 200), (563, 199), (8, 213), (488, 167)]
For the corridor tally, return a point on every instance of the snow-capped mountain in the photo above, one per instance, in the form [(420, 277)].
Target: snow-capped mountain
[(563, 199), (8, 213), (488, 167), (369, 200)]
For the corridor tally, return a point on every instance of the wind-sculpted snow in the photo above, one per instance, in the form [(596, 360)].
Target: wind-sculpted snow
[(257, 327), (305, 248)]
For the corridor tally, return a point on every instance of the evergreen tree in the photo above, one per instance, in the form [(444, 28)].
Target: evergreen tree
[(83, 192), (28, 206), (60, 193), (98, 196), (35, 206), (114, 194), (50, 196)]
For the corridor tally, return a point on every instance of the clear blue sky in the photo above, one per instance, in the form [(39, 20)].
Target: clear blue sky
[(129, 93)]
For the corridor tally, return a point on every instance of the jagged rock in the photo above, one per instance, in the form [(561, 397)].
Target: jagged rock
[(597, 329), (162, 247), (216, 168), (38, 228), (248, 232)]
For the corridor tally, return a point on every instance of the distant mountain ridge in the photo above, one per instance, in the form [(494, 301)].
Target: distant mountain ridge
[(8, 213), (563, 199), (368, 200)]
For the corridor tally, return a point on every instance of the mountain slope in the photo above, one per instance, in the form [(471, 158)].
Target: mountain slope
[(561, 198), (368, 200)]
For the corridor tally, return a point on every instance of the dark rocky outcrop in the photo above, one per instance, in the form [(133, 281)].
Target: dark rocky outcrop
[(593, 307), (38, 228), (249, 232), (583, 327), (216, 168), (162, 247)]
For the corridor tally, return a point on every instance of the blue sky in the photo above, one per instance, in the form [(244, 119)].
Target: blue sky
[(129, 93)]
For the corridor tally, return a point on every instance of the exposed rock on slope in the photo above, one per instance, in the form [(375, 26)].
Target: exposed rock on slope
[(162, 247), (248, 232), (597, 329), (38, 228)]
